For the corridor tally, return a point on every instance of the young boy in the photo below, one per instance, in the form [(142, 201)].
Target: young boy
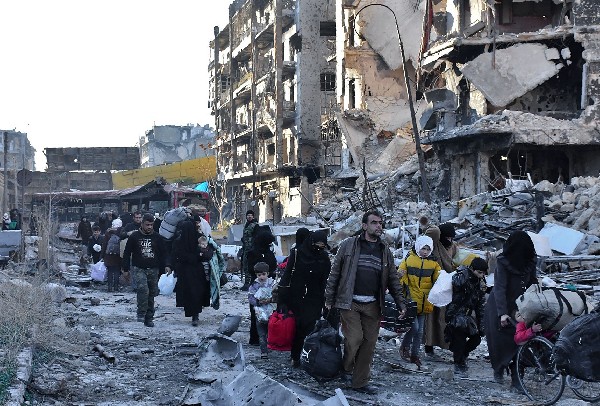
[(260, 296), (206, 254), (94, 247), (419, 273)]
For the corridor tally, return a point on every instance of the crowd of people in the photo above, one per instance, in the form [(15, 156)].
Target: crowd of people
[(348, 287)]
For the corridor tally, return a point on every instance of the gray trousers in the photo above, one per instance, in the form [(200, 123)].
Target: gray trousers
[(146, 281)]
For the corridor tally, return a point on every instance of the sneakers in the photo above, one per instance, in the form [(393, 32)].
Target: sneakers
[(264, 355), (195, 321), (416, 360), (461, 370), (499, 376), (404, 353), (149, 323)]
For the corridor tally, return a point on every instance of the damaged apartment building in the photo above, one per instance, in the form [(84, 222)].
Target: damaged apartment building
[(16, 160), (165, 144), (273, 81), (512, 90)]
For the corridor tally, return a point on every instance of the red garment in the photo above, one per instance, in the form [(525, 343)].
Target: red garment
[(524, 334)]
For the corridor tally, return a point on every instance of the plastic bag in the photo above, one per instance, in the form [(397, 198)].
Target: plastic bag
[(98, 271), (441, 292), (166, 284), (263, 312)]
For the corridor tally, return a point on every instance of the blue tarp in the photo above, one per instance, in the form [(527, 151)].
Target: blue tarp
[(203, 187)]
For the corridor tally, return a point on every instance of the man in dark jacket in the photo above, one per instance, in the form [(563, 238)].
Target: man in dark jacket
[(145, 254), (94, 245), (362, 271), (247, 245)]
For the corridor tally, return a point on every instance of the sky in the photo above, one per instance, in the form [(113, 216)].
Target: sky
[(91, 73)]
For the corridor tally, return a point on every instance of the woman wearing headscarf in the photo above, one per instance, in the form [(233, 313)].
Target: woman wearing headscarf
[(306, 275), (515, 272), (192, 290), (444, 249), (301, 235)]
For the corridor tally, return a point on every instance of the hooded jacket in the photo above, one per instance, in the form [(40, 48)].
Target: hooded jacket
[(419, 274)]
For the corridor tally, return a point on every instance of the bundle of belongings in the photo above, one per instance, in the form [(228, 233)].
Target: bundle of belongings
[(576, 351), (552, 307)]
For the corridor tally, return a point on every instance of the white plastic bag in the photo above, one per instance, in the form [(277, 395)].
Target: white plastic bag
[(166, 284), (441, 292), (98, 271), (263, 312)]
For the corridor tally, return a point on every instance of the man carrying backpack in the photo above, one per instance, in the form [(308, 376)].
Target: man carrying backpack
[(145, 254)]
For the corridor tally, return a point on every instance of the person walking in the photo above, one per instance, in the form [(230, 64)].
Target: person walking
[(84, 230), (418, 271), (247, 245), (94, 245), (111, 254), (464, 315), (515, 272), (145, 254), (303, 287), (260, 296), (444, 249), (363, 269), (192, 291)]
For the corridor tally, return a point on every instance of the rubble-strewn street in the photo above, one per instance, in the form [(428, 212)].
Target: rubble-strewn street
[(103, 356)]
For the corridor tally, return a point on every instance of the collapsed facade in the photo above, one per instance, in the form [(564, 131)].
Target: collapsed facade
[(512, 91), (273, 79), (17, 154), (166, 144)]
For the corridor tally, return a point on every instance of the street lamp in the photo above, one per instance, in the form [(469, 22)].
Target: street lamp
[(420, 156)]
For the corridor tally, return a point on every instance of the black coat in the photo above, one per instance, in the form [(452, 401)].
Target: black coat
[(192, 290), (509, 283), (261, 252), (468, 297)]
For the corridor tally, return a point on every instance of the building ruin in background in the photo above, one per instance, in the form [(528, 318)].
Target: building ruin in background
[(512, 90), (19, 156)]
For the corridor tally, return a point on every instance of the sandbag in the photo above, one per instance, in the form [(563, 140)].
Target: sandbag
[(389, 318), (576, 351), (321, 355), (282, 328), (552, 307), (170, 221)]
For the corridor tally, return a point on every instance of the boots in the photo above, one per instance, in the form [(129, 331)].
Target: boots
[(416, 360), (515, 384)]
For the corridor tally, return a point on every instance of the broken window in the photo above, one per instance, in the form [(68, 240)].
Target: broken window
[(327, 82), (352, 94), (271, 149), (351, 28), (225, 81), (327, 29)]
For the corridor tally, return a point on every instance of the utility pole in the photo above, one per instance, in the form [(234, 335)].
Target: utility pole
[(5, 194), (420, 155)]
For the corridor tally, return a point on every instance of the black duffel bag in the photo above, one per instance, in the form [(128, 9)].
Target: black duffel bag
[(389, 318), (321, 355), (577, 350)]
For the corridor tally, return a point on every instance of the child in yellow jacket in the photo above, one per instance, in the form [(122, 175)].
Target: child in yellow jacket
[(418, 272)]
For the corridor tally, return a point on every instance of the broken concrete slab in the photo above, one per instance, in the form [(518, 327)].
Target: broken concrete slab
[(541, 243), (562, 239), (338, 400), (504, 80)]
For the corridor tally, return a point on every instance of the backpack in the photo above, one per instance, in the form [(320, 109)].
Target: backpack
[(113, 246), (321, 355)]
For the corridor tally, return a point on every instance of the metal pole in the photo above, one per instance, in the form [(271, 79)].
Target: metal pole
[(5, 194), (420, 155)]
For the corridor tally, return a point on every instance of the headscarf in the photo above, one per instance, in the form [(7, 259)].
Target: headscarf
[(187, 240), (519, 249), (117, 223), (446, 233), (301, 234), (311, 253), (441, 254), (423, 241)]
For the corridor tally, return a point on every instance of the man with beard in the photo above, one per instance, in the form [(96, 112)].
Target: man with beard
[(362, 271)]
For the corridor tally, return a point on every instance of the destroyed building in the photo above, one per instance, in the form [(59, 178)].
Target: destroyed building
[(17, 155), (511, 90), (272, 81), (166, 144)]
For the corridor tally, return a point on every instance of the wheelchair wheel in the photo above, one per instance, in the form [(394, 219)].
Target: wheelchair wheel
[(537, 373), (588, 391)]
